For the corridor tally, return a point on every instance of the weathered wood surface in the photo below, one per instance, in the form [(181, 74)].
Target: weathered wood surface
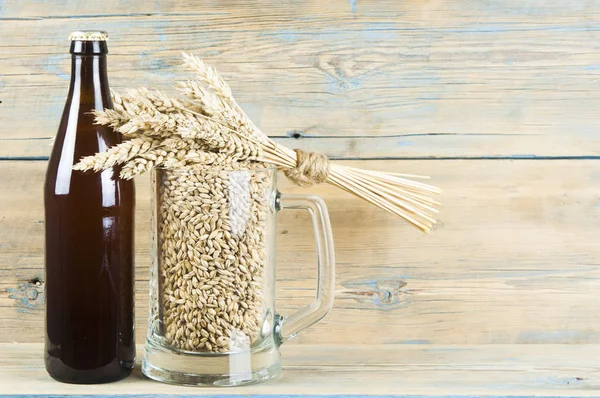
[(497, 100), (492, 78), (515, 258), (463, 370)]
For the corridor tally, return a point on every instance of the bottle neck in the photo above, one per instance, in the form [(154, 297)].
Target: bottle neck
[(89, 77)]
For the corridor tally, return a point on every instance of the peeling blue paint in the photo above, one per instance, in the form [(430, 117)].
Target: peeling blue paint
[(559, 381), (353, 5), (335, 85), (52, 64), (162, 37), (499, 28), (379, 31), (488, 29), (27, 297), (153, 63), (556, 337), (402, 142), (156, 63), (288, 36), (212, 53), (589, 28), (519, 27), (591, 67), (522, 156), (385, 293)]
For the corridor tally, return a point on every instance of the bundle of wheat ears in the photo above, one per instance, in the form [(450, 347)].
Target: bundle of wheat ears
[(208, 127)]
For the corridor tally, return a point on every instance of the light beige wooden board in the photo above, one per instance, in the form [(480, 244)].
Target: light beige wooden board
[(344, 69), (267, 11), (514, 258), (458, 370)]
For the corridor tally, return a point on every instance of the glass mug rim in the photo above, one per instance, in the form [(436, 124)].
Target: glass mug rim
[(213, 169)]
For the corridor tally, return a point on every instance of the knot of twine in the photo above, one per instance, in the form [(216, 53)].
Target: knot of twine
[(311, 168)]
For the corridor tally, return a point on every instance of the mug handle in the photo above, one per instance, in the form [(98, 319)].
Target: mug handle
[(290, 326)]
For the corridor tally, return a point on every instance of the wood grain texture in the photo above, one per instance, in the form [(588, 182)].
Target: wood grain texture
[(465, 74), (464, 370), (496, 99), (514, 259)]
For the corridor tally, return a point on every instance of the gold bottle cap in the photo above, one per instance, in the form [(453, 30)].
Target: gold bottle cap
[(88, 35)]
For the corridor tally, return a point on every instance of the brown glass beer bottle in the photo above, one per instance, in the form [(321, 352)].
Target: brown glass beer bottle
[(89, 236)]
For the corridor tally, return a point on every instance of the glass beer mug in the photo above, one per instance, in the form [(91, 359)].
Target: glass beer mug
[(212, 281)]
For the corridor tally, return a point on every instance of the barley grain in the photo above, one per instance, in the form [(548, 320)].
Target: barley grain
[(206, 223)]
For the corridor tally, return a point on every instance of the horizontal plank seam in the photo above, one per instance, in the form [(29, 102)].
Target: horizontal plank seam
[(515, 157), (299, 135), (271, 395), (511, 157), (444, 29), (133, 14), (27, 139)]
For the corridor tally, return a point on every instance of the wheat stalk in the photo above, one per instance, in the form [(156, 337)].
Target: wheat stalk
[(209, 127)]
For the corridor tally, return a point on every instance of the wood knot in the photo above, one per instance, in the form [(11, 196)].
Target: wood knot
[(28, 296), (381, 293)]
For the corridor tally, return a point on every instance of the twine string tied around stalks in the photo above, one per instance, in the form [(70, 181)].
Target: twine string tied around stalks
[(311, 168)]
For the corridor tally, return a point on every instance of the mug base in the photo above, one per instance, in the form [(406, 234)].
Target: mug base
[(208, 369)]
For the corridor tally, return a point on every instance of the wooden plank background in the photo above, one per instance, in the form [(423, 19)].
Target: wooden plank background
[(497, 100)]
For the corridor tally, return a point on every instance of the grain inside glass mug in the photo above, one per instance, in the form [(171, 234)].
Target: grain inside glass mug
[(212, 281)]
